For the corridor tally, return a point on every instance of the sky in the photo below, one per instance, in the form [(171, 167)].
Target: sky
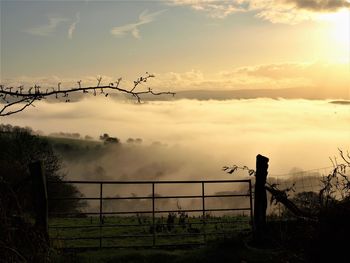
[(187, 44)]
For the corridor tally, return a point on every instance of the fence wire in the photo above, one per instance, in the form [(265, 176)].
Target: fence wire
[(300, 182)]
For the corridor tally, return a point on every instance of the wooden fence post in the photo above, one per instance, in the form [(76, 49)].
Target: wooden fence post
[(260, 198), (40, 201)]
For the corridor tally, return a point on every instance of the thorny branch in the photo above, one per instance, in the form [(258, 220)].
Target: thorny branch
[(337, 183), (234, 168), (10, 97), (277, 195), (336, 186)]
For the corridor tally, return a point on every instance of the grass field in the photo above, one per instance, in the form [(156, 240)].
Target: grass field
[(235, 249), (139, 231)]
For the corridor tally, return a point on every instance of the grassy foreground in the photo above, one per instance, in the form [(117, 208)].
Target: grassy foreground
[(138, 231), (230, 250)]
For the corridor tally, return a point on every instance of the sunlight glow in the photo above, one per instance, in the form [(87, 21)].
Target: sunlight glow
[(338, 33)]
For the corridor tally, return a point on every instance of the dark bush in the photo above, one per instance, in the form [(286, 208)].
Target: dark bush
[(18, 148)]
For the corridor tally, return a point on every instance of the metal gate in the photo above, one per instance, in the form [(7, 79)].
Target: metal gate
[(158, 225)]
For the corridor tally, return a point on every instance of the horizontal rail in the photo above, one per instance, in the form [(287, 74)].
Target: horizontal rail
[(143, 225), (201, 230), (150, 182), (182, 245), (148, 235), (149, 197), (157, 211)]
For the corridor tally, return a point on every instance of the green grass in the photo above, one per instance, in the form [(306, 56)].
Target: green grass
[(230, 250), (117, 233), (234, 246)]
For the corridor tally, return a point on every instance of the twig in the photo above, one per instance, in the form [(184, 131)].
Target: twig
[(29, 101), (14, 251), (29, 97)]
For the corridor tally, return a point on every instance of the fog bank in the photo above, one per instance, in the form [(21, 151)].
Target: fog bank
[(203, 136)]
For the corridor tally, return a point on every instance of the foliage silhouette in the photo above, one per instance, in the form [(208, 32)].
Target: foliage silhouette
[(19, 147), (20, 241), (321, 229)]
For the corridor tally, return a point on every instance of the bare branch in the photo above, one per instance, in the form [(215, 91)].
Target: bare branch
[(27, 102), (140, 80), (234, 168), (12, 97), (345, 158)]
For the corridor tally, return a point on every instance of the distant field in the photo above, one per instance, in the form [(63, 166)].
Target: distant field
[(75, 148), (138, 231)]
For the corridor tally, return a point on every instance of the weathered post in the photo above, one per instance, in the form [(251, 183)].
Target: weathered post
[(153, 216), (260, 198), (39, 196)]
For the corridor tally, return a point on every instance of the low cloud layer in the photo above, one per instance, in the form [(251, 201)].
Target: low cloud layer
[(205, 135), (323, 76), (268, 76)]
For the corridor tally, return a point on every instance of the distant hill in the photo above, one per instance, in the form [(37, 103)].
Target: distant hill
[(289, 93), (72, 148), (341, 102)]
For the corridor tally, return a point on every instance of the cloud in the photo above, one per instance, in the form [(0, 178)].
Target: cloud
[(133, 28), (317, 71), (47, 29), (239, 78), (266, 76), (325, 76), (72, 27), (214, 8), (275, 11), (53, 80), (209, 134), (320, 5)]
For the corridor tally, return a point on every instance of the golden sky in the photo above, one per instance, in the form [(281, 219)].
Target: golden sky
[(187, 44)]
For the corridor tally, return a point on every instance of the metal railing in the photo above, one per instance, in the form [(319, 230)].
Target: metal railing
[(100, 215)]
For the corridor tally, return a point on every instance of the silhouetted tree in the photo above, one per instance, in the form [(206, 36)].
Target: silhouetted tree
[(134, 141), (109, 140), (88, 137), (20, 240), (19, 148), (104, 136)]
